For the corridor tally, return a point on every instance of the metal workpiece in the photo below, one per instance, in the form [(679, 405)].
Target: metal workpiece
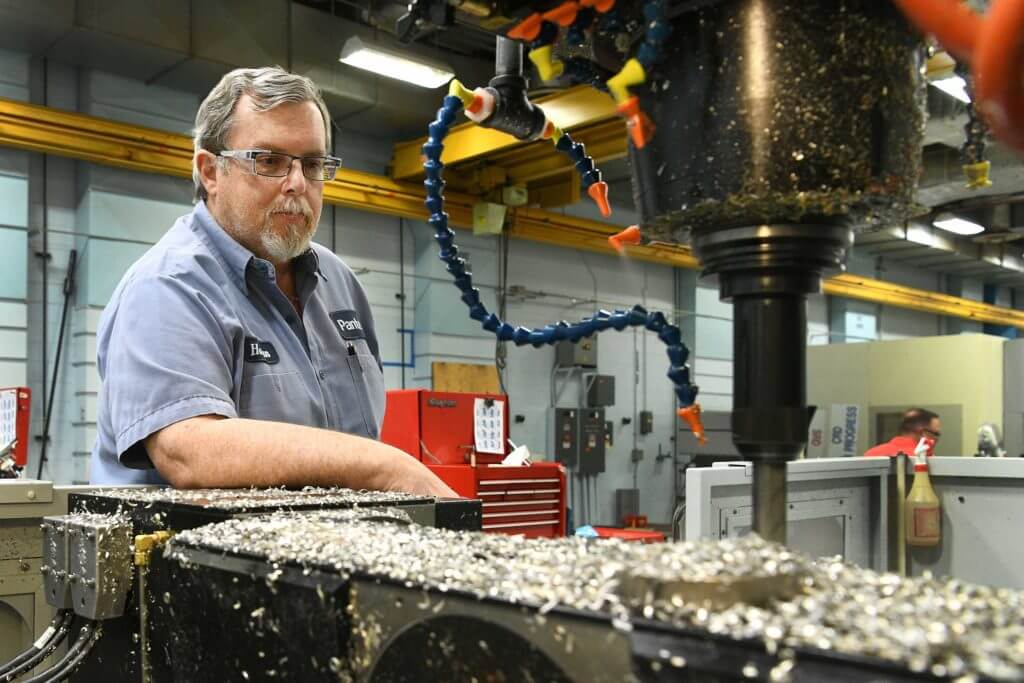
[(254, 499), (459, 603), (637, 587), (156, 509), (99, 563), (158, 606), (54, 563)]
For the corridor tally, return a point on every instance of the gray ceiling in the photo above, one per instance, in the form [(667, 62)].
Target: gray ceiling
[(189, 45)]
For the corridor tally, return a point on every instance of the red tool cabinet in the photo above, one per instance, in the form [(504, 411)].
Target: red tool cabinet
[(15, 403), (437, 428)]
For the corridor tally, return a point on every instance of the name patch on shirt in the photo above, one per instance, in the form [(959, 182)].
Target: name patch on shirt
[(257, 351), (348, 325)]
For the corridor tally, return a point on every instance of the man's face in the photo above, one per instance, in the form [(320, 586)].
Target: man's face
[(933, 430), (273, 217)]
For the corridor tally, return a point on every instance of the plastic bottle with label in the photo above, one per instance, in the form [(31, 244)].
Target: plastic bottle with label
[(924, 513)]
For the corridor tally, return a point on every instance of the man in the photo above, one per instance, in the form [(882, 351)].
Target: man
[(916, 423), (235, 352)]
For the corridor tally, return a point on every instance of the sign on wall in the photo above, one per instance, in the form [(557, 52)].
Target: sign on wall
[(833, 432)]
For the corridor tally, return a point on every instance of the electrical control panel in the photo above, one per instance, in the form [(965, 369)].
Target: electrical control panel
[(592, 442), (567, 449), (580, 439)]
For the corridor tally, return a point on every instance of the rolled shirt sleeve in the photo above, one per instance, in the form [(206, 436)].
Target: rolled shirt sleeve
[(167, 357)]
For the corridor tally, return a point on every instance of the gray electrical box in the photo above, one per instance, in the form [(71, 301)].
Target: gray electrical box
[(592, 441), (646, 422), (581, 354), (580, 439), (567, 445), (600, 390)]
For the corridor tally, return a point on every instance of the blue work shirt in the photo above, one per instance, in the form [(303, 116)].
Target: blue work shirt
[(198, 326)]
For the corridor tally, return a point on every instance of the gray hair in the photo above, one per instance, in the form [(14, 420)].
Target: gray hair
[(268, 87)]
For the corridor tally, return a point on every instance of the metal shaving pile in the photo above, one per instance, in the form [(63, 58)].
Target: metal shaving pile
[(946, 627), (256, 499), (92, 519)]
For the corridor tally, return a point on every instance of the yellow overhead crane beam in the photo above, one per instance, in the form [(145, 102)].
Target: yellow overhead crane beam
[(576, 108), (51, 131)]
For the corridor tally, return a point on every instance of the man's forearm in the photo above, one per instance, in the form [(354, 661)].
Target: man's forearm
[(214, 452)]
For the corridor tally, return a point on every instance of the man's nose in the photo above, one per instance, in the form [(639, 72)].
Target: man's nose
[(295, 182)]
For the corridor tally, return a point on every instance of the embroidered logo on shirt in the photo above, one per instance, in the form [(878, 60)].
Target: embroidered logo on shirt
[(348, 325), (257, 351)]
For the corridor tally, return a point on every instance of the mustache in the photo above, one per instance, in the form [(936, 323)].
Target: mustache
[(293, 205)]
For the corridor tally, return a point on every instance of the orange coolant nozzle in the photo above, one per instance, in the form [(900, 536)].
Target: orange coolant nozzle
[(599, 193), (563, 15), (528, 29), (630, 235), (641, 128), (691, 414)]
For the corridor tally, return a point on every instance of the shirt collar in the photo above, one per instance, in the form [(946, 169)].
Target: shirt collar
[(241, 262)]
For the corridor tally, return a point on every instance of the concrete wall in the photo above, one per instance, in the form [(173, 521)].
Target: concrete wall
[(111, 216)]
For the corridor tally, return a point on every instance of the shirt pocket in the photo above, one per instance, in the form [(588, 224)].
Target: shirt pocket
[(280, 397), (369, 383)]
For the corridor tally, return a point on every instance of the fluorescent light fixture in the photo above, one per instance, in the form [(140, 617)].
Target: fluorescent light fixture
[(954, 86), (394, 64), (959, 226)]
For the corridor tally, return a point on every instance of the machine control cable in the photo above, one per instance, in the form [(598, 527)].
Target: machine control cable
[(51, 639), (88, 636)]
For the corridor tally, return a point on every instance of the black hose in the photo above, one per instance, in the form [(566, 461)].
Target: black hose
[(31, 657), (69, 293), (78, 651)]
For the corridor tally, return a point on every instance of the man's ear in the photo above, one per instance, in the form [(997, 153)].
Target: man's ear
[(207, 164)]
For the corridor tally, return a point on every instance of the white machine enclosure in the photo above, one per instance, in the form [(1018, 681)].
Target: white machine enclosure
[(836, 506), (845, 506)]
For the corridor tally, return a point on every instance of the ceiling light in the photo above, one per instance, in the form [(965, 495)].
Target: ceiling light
[(394, 64), (954, 86), (959, 226)]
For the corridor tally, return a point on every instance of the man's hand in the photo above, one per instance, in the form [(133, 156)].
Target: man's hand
[(210, 451), (418, 479)]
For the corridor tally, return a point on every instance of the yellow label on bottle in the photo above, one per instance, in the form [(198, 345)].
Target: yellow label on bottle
[(926, 522)]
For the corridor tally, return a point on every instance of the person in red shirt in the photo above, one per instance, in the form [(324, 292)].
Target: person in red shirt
[(917, 423)]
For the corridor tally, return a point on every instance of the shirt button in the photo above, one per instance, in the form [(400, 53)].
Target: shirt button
[(323, 374)]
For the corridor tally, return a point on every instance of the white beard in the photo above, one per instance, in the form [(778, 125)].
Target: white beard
[(269, 242), (280, 248)]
